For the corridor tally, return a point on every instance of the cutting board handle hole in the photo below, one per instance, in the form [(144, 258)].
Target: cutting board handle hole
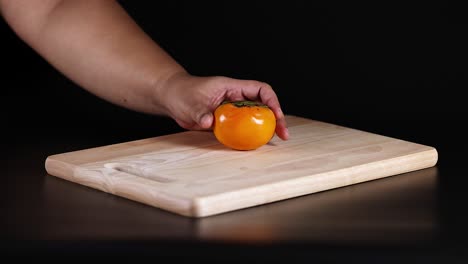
[(137, 171)]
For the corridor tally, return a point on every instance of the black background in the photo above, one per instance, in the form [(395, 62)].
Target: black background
[(396, 70), (380, 68)]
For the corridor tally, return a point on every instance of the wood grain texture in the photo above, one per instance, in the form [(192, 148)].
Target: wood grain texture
[(192, 174)]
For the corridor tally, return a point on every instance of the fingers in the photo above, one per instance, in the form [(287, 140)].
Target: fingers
[(205, 121), (259, 91), (281, 129), (202, 122), (187, 125)]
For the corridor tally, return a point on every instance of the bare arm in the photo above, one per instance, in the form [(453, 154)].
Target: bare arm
[(97, 45), (100, 47)]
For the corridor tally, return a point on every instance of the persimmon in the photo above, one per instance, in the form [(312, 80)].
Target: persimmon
[(243, 125)]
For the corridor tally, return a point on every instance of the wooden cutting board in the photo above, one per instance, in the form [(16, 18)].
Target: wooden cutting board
[(191, 174)]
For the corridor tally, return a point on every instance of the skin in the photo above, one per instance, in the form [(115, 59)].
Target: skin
[(99, 46)]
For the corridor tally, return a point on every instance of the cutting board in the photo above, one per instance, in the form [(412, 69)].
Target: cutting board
[(190, 173)]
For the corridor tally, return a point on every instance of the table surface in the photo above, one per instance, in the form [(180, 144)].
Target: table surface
[(419, 215)]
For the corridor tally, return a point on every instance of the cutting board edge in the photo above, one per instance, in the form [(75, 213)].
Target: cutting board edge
[(423, 159)]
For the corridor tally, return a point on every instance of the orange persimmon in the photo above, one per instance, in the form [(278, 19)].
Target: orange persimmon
[(244, 125)]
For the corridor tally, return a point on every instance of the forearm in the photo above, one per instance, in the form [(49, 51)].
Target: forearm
[(98, 46)]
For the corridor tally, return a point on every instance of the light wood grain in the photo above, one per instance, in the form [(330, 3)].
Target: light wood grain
[(191, 174)]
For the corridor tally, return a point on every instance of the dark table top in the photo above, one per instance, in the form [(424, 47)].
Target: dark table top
[(412, 216)]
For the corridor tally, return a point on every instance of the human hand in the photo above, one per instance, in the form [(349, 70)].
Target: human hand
[(191, 100)]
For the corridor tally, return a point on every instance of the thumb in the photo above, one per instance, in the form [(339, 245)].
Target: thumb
[(205, 121)]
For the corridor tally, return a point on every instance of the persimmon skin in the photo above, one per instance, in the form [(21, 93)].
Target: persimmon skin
[(244, 125)]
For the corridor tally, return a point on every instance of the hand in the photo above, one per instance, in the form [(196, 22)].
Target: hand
[(139, 74), (191, 100)]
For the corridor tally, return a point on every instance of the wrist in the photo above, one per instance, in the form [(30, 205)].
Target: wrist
[(163, 90)]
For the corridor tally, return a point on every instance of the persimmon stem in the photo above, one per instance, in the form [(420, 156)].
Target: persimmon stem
[(245, 103)]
